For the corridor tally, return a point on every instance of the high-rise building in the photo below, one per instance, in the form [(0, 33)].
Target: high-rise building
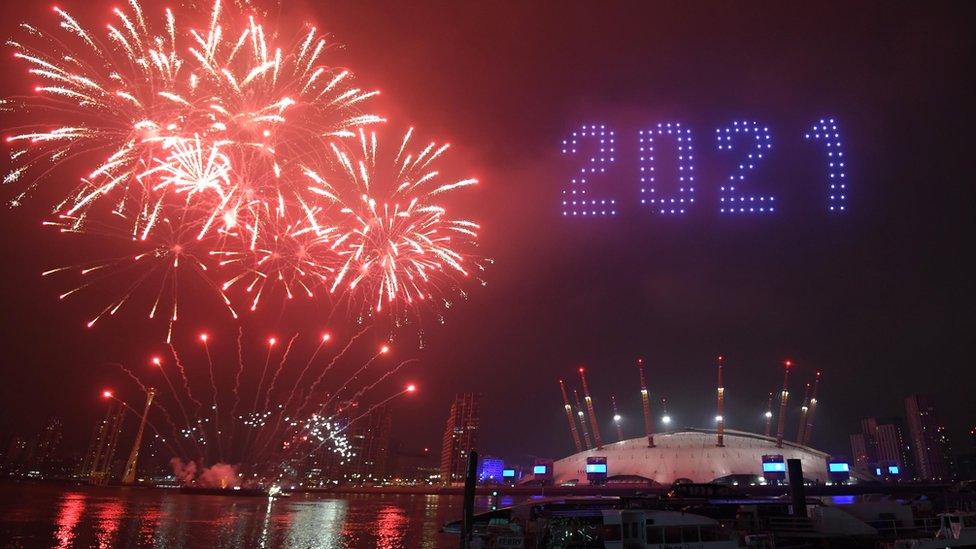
[(859, 450), (460, 437), (882, 442), (933, 452), (370, 440)]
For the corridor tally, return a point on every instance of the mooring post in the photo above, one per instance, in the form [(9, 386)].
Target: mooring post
[(467, 523), (797, 491)]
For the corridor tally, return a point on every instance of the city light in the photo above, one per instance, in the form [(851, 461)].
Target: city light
[(768, 414), (666, 420), (107, 394), (272, 341), (204, 337), (157, 361), (384, 349), (411, 388), (718, 418), (617, 418), (326, 337)]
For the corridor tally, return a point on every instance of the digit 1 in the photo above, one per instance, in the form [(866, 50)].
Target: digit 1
[(760, 141), (685, 197), (826, 130), (577, 201)]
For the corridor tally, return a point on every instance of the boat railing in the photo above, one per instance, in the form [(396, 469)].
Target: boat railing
[(894, 528)]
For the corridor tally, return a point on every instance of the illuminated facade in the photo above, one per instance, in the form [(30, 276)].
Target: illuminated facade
[(460, 437)]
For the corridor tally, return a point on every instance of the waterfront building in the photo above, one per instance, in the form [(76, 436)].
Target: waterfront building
[(490, 470), (882, 442), (460, 437), (930, 440)]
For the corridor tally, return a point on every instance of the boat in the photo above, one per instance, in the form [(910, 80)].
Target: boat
[(956, 529), (594, 522)]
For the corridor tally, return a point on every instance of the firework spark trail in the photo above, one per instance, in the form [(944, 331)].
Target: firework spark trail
[(383, 350), (351, 422), (186, 381), (281, 365), (283, 410), (142, 386), (389, 373), (148, 422), (318, 380), (301, 376), (237, 384), (264, 372), (189, 426), (274, 379), (213, 387)]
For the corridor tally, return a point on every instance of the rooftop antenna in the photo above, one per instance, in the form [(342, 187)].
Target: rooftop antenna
[(646, 403), (784, 398), (720, 395), (582, 420), (569, 417), (813, 408), (804, 408), (589, 410)]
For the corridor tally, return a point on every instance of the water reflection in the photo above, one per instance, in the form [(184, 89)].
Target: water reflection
[(69, 514), (38, 515)]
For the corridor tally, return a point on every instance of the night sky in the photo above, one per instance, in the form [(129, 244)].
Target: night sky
[(879, 298)]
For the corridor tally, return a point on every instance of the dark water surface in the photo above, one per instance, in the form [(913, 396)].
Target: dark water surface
[(47, 515)]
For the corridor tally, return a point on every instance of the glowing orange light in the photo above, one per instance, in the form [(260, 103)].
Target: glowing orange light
[(788, 363), (156, 360), (384, 349), (272, 341), (326, 336), (204, 337), (107, 394), (411, 388)]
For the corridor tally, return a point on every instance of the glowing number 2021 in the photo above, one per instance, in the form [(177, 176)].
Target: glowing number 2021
[(759, 141), (577, 200), (827, 131), (667, 204)]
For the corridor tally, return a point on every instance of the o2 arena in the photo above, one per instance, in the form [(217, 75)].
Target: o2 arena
[(688, 455)]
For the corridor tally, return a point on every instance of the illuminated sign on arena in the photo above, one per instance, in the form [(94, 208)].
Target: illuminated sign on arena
[(747, 143)]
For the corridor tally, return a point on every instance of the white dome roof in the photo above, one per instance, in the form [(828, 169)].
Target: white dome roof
[(691, 454)]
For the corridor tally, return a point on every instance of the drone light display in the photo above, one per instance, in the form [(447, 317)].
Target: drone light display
[(747, 142)]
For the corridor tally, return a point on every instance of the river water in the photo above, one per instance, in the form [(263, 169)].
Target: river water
[(48, 515)]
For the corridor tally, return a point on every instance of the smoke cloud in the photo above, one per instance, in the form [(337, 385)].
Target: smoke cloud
[(219, 475)]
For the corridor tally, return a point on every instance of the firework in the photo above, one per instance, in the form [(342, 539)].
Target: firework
[(272, 415), (397, 243), (222, 151)]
